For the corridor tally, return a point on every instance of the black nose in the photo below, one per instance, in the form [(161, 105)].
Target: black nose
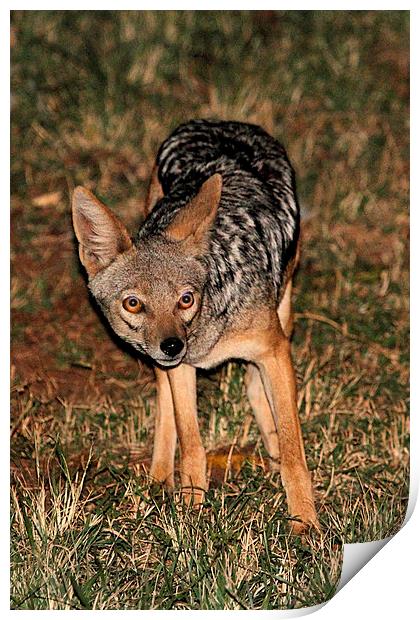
[(171, 346)]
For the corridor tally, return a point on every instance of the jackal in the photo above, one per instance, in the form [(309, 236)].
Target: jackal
[(208, 278)]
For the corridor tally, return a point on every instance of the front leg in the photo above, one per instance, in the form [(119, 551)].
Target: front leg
[(279, 382), (193, 456), (162, 468)]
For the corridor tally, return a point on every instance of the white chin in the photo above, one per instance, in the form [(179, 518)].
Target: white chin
[(168, 363)]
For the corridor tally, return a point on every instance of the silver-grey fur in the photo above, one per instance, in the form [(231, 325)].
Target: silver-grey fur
[(252, 240)]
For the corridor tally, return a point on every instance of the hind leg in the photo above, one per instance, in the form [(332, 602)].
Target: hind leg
[(263, 415), (256, 392), (276, 368)]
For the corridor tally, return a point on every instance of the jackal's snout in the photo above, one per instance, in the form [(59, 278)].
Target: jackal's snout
[(172, 346)]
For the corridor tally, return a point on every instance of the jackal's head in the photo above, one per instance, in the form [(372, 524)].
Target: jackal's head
[(150, 291)]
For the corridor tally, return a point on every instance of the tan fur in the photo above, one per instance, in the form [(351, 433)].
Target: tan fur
[(277, 374), (177, 416), (100, 234), (263, 416), (269, 349), (259, 337), (193, 456), (255, 389), (272, 392), (162, 468), (196, 221)]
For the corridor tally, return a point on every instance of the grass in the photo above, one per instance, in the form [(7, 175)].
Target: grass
[(94, 94), (131, 548)]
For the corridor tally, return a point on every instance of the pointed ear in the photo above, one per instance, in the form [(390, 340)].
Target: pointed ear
[(193, 221), (100, 234)]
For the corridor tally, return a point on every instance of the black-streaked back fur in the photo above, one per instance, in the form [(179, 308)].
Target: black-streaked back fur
[(257, 227)]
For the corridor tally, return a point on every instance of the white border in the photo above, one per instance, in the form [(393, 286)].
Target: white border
[(388, 586)]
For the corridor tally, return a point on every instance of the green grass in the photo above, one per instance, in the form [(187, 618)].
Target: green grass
[(135, 549), (94, 94)]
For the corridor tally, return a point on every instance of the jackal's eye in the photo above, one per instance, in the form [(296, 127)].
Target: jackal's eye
[(186, 301), (132, 304)]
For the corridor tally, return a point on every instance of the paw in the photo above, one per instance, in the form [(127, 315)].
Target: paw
[(193, 496), (304, 519), (163, 475), (193, 479), (303, 527)]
